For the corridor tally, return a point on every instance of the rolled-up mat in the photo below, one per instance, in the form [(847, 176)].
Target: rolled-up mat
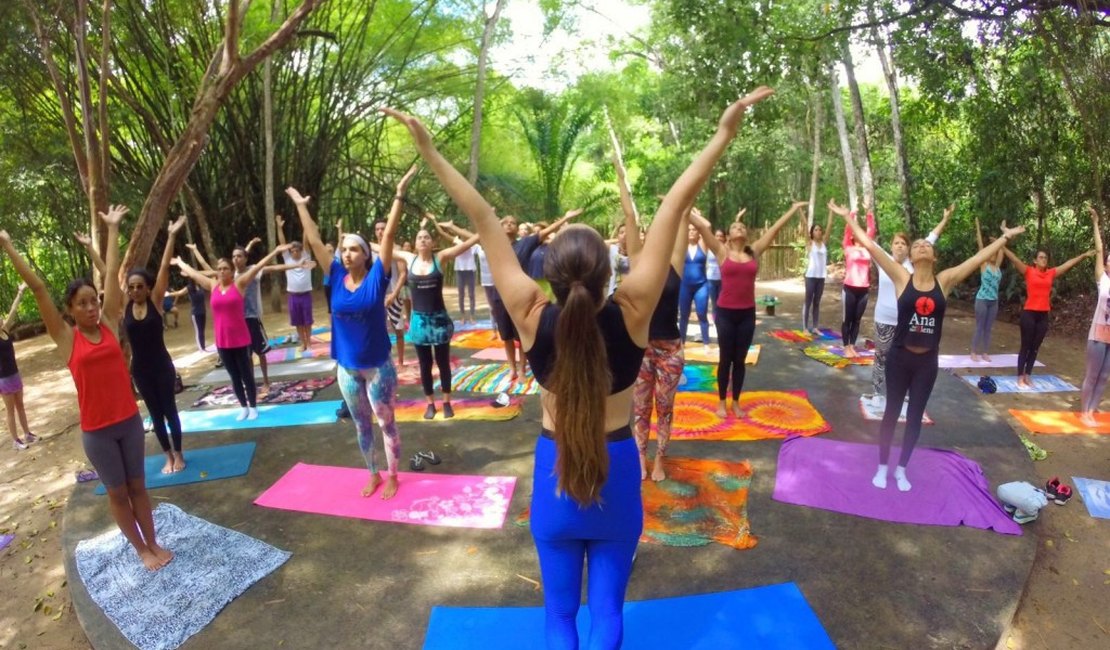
[(208, 464), (775, 617), (948, 488)]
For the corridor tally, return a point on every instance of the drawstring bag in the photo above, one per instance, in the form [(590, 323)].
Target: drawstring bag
[(987, 385)]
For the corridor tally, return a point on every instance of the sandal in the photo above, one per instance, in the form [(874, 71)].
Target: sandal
[(416, 463), (429, 456)]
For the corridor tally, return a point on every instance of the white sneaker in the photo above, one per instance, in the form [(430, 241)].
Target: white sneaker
[(697, 338), (18, 445), (878, 402), (252, 413), (242, 415)]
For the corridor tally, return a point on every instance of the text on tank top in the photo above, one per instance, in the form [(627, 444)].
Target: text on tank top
[(920, 317)]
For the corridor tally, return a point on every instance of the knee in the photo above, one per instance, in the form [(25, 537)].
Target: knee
[(136, 488), (119, 495)]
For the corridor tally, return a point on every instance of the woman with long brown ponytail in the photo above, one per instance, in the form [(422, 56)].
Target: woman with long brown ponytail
[(586, 491)]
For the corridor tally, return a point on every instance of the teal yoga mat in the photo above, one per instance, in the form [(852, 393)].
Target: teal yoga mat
[(269, 416), (208, 464), (776, 617)]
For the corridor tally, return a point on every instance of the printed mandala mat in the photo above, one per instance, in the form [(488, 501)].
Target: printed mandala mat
[(493, 378), (767, 415)]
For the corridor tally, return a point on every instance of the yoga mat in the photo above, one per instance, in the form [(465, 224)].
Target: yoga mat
[(317, 350), (1008, 384), (775, 617), (269, 416), (871, 413), (833, 356), (1060, 422), (493, 378), (5, 540), (313, 367), (693, 329), (159, 610), (802, 336), (424, 498), (695, 353), (964, 361), (467, 408), (319, 333), (476, 339), (702, 501), (698, 378), (948, 489), (486, 324), (490, 354), (767, 414), (281, 392), (1095, 495), (409, 374), (208, 464), (193, 358)]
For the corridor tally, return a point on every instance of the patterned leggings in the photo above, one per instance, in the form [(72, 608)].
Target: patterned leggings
[(884, 338), (655, 386), (371, 391)]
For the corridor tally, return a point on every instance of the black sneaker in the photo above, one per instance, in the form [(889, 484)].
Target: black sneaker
[(448, 412), (343, 412), (430, 412)]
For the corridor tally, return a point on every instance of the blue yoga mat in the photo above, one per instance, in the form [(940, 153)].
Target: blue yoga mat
[(776, 617), (209, 464), (270, 415), (1095, 495)]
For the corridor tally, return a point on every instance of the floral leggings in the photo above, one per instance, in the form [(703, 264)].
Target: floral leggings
[(371, 391), (660, 373)]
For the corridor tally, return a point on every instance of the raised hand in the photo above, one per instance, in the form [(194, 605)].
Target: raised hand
[(734, 114), (282, 248), (83, 239), (842, 211), (948, 212), (1010, 233), (255, 240), (297, 197), (177, 261), (798, 205), (176, 226), (308, 264), (416, 128), (279, 220), (570, 214), (115, 214), (740, 214), (403, 184)]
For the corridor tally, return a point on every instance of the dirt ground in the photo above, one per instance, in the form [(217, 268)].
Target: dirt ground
[(1064, 604)]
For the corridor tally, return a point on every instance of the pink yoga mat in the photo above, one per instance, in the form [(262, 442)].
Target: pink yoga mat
[(490, 354), (424, 498)]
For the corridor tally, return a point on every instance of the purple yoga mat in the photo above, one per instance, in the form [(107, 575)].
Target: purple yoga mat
[(948, 489)]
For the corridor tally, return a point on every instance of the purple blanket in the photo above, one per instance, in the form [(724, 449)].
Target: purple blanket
[(948, 489)]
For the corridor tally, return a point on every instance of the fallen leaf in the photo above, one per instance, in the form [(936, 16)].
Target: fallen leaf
[(472, 550), (1010, 643), (29, 558), (50, 594), (1050, 543), (53, 524), (46, 609), (204, 474), (56, 617), (38, 605), (1075, 582)]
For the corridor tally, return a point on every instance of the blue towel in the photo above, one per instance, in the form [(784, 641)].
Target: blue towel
[(271, 415), (776, 617), (159, 610), (208, 464), (1095, 495)]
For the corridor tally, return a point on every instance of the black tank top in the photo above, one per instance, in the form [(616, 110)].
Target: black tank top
[(427, 290), (7, 355), (664, 320), (624, 355), (148, 347), (920, 317), (198, 299)]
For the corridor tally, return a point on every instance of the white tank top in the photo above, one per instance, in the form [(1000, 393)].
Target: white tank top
[(818, 261)]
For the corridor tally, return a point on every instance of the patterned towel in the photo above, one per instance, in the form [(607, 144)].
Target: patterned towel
[(697, 378), (281, 392), (802, 336), (493, 378), (767, 414), (412, 410), (695, 353), (833, 356)]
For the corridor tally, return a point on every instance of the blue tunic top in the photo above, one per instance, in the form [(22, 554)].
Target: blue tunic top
[(359, 338)]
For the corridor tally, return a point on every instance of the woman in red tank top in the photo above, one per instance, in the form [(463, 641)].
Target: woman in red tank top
[(112, 430)]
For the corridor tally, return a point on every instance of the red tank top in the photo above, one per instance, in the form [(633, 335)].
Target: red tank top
[(738, 284), (104, 394), (1038, 288)]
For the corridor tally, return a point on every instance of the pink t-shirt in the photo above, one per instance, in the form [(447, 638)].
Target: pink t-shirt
[(857, 261), (228, 319)]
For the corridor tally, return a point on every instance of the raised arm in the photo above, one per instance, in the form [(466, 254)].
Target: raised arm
[(51, 317), (763, 242), (112, 308), (252, 271), (9, 320), (951, 277), (451, 252), (312, 237), (279, 221), (631, 219), (255, 241), (939, 228), (202, 280), (897, 273), (1100, 254), (394, 220), (1015, 260), (705, 229), (200, 258), (558, 223), (978, 233), (162, 281), (1066, 266), (97, 260)]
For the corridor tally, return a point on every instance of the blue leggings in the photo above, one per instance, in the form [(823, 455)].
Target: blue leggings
[(567, 536), (699, 294)]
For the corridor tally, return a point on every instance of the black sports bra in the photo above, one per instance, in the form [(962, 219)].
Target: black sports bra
[(624, 355)]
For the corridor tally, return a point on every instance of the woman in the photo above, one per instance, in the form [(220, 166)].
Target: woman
[(229, 322), (857, 284), (360, 343), (736, 304), (912, 366), (151, 363), (431, 327), (111, 428), (620, 253), (695, 288), (986, 300), (886, 309), (578, 465), (1098, 337), (817, 268), (11, 384), (1034, 317), (713, 274)]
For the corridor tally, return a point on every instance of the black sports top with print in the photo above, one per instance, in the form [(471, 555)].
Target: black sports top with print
[(664, 320), (920, 317), (427, 290), (624, 355)]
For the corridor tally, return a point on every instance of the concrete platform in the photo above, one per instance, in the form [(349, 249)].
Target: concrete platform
[(353, 583)]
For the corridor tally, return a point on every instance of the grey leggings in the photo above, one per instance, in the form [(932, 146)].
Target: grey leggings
[(1098, 371), (985, 313), (811, 308), (465, 281), (116, 451)]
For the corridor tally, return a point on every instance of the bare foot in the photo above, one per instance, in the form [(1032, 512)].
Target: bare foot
[(721, 412), (514, 374), (178, 462), (372, 485), (1088, 419), (657, 471), (168, 467), (643, 466), (164, 555), (150, 560), (974, 358), (390, 488), (987, 358), (737, 411)]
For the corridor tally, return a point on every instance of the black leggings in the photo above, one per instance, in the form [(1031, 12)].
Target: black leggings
[(156, 388), (237, 363), (811, 308), (442, 354), (1034, 327), (735, 331), (855, 304), (906, 372), (200, 321)]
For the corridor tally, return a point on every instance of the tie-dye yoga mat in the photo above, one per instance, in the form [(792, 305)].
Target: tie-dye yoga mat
[(1060, 422), (698, 378), (476, 339), (696, 354), (833, 356), (702, 501), (412, 410), (317, 349), (423, 498), (493, 378), (802, 336), (281, 392), (767, 414), (409, 374), (319, 333)]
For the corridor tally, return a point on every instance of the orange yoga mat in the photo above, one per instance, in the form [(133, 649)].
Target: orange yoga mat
[(476, 340), (1060, 422), (767, 414)]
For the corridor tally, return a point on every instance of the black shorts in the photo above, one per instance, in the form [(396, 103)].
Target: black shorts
[(505, 327), (259, 343)]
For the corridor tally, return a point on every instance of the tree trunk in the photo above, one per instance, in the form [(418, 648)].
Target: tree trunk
[(862, 152), (480, 92), (818, 123), (845, 145), (902, 159), (268, 127)]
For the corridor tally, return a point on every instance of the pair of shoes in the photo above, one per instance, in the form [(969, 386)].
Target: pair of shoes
[(19, 445), (1058, 492), (416, 463), (430, 412), (448, 412)]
